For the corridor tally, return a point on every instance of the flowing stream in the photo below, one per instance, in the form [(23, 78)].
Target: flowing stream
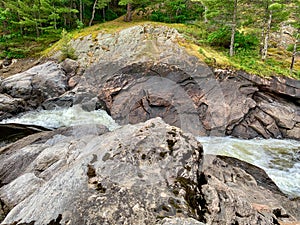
[(279, 158)]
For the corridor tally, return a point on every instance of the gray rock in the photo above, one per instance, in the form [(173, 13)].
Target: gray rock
[(15, 192), (234, 196), (142, 72), (180, 221), (37, 84), (10, 106), (134, 175), (70, 66), (147, 173)]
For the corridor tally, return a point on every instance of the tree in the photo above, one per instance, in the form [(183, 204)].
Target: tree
[(233, 28), (224, 13), (297, 39), (275, 12), (99, 4), (128, 3)]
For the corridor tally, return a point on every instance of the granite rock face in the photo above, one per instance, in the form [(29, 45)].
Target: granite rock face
[(37, 84), (147, 173), (134, 175), (143, 72), (10, 106)]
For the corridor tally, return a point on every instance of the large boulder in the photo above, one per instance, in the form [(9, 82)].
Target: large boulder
[(135, 175), (37, 84), (148, 173)]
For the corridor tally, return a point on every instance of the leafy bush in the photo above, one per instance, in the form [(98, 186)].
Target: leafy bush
[(222, 36)]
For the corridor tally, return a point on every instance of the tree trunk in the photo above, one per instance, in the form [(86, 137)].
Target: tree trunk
[(264, 51), (93, 13), (103, 14), (233, 28), (294, 52), (80, 11), (128, 16), (205, 12)]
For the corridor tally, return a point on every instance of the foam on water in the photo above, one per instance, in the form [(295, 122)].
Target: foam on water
[(65, 118), (279, 158)]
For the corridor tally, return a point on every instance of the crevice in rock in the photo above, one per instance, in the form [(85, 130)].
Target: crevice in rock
[(171, 144), (56, 221), (191, 196), (4, 210), (201, 200), (91, 171)]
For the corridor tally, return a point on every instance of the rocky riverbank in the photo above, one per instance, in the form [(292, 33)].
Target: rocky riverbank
[(150, 172), (142, 72)]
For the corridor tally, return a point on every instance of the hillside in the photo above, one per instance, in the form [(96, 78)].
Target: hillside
[(277, 64)]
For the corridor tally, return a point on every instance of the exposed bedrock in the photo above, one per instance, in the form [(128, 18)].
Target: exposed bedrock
[(147, 173), (143, 72)]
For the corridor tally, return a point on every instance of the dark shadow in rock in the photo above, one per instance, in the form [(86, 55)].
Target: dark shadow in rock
[(12, 132)]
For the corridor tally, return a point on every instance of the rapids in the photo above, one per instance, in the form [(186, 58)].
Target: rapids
[(279, 158)]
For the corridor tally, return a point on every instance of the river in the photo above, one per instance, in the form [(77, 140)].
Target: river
[(279, 158)]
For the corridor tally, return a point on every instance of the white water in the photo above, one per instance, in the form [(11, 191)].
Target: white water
[(279, 158), (64, 118)]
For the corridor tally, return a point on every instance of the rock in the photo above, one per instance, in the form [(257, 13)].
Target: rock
[(157, 77), (15, 192), (180, 221), (10, 106), (70, 66), (236, 192), (11, 132), (73, 81), (63, 101), (147, 173), (135, 175), (37, 84), (143, 72)]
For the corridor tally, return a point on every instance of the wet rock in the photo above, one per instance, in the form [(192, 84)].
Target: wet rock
[(11, 132), (37, 84), (58, 102)]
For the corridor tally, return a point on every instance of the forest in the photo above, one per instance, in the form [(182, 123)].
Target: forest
[(239, 28)]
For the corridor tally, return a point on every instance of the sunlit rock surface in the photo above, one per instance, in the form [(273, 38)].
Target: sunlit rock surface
[(148, 173)]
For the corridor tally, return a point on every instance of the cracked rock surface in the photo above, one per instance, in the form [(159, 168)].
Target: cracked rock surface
[(147, 173)]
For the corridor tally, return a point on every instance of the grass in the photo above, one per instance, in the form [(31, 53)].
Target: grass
[(277, 64)]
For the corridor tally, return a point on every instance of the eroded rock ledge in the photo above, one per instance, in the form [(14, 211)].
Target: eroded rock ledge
[(148, 173), (142, 72)]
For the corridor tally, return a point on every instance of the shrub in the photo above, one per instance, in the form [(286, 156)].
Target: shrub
[(66, 49), (222, 36)]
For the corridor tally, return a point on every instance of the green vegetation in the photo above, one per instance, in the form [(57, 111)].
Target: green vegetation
[(225, 33)]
